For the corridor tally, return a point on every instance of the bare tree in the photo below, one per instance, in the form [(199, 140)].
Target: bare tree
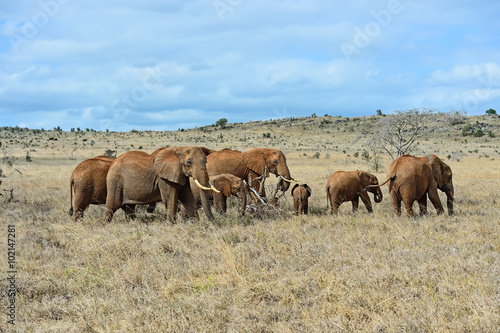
[(397, 133), (373, 155)]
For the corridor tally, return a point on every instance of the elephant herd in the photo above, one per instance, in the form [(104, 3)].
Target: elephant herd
[(197, 176), (193, 176)]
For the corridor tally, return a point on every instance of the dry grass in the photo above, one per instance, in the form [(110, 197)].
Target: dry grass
[(351, 273)]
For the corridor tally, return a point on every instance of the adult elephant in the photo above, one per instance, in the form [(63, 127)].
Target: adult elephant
[(414, 178), (251, 165), (345, 186), (138, 178), (227, 185), (88, 184), (444, 178)]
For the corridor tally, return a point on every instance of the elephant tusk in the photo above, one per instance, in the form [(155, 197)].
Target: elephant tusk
[(201, 186), (290, 180), (213, 188)]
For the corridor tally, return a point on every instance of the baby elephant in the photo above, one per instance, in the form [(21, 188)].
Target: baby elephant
[(349, 186), (301, 194)]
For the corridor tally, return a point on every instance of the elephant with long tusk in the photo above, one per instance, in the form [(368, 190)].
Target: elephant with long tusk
[(138, 178), (211, 188), (250, 165)]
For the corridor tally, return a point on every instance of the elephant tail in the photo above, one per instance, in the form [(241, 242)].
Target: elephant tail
[(379, 185), (71, 185), (327, 197)]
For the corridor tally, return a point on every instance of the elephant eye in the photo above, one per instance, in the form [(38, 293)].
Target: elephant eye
[(188, 163), (275, 161)]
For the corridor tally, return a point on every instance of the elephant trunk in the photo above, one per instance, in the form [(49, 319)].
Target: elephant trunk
[(450, 196), (377, 195), (285, 173), (202, 177), (243, 196)]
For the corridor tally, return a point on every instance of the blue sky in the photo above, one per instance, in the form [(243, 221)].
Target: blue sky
[(163, 65)]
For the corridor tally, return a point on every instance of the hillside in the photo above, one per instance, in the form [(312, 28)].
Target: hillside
[(325, 135), (268, 271)]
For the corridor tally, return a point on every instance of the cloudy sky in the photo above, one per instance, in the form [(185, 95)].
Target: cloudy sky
[(164, 64)]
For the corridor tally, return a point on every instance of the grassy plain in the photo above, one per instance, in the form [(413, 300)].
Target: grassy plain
[(260, 273)]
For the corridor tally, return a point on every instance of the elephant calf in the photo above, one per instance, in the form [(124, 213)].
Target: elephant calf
[(301, 194), (345, 186), (227, 185)]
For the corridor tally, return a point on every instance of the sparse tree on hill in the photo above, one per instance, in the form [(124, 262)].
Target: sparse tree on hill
[(398, 133), (222, 122), (491, 112)]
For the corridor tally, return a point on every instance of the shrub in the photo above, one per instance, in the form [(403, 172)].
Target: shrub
[(110, 153), (466, 130), (479, 133)]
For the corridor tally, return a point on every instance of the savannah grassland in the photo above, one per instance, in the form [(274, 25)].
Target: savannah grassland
[(268, 271)]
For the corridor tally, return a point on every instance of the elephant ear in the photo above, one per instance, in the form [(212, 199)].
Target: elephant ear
[(255, 160), (309, 191), (437, 169), (207, 151), (224, 185), (364, 179), (293, 189), (166, 164)]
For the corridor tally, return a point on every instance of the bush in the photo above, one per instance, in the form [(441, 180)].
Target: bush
[(479, 133), (222, 122), (466, 130), (110, 153)]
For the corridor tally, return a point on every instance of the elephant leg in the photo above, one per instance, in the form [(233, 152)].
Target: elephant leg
[(114, 201), (355, 204), (189, 203), (108, 216), (422, 205), (170, 198), (223, 204), (366, 200), (329, 203), (396, 202), (82, 201), (335, 206), (434, 197), (171, 205), (129, 210), (409, 206), (220, 203), (306, 208), (183, 213)]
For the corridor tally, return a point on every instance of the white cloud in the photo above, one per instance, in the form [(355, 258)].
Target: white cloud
[(263, 57)]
